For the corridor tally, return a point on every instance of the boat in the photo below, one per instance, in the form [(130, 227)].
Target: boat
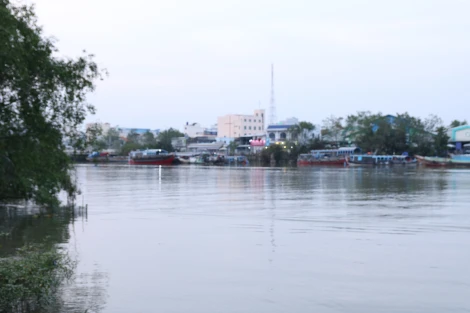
[(185, 157), (106, 157), (455, 160), (335, 157), (236, 160), (309, 159), (151, 157), (97, 157), (377, 160), (207, 158), (216, 159)]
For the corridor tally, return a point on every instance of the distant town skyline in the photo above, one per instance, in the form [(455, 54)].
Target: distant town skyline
[(185, 61)]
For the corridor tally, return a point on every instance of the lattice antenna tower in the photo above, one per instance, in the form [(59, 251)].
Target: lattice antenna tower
[(272, 103)]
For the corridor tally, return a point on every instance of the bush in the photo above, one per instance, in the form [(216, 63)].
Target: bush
[(29, 280)]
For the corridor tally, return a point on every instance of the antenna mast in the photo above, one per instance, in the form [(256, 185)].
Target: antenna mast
[(272, 106)]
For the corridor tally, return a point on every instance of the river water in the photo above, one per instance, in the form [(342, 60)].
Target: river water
[(246, 239)]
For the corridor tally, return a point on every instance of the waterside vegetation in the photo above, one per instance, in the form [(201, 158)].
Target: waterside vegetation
[(42, 101)]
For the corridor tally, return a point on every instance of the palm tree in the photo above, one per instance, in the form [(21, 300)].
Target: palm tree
[(301, 132)]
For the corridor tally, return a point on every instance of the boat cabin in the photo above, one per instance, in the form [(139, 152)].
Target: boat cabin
[(379, 159), (341, 152), (147, 153)]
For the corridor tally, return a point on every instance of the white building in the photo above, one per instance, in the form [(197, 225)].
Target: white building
[(236, 125), (280, 132), (193, 130)]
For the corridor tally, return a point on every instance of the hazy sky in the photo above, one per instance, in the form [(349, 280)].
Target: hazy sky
[(175, 61)]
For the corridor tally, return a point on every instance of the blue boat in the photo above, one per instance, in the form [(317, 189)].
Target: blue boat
[(236, 160), (377, 160)]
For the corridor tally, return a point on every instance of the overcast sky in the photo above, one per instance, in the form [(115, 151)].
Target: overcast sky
[(175, 61)]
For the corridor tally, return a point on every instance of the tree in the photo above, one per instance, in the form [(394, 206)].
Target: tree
[(112, 139), (232, 147), (42, 101), (273, 152), (440, 141), (133, 137), (164, 138), (148, 139), (432, 123), (457, 123), (302, 132), (333, 128), (316, 144), (130, 146)]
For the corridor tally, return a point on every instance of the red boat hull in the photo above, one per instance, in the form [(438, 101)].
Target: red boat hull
[(167, 160), (338, 162)]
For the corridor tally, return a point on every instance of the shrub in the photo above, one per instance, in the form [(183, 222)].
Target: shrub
[(30, 279)]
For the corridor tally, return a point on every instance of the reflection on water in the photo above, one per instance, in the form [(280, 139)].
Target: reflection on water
[(26, 224), (218, 239)]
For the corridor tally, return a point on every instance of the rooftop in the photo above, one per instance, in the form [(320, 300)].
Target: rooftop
[(274, 127)]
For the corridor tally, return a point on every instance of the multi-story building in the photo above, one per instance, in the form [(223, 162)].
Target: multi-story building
[(237, 125)]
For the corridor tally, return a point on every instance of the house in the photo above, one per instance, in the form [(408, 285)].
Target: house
[(278, 133)]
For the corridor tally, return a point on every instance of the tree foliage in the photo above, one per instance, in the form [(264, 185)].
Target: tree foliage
[(274, 152), (148, 139), (457, 123), (29, 281), (42, 100), (440, 141), (133, 137), (302, 132), (232, 146), (130, 146), (333, 129), (112, 139), (385, 134), (164, 138)]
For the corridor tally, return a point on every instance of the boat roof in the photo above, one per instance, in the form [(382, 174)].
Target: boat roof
[(342, 149), (213, 145)]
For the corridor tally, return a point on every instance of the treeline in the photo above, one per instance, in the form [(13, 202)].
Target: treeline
[(389, 134), (134, 141), (372, 132)]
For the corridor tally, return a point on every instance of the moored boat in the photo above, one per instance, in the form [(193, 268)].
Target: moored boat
[(105, 157), (462, 160), (236, 160), (309, 159), (97, 157), (151, 157), (335, 157), (377, 160), (185, 157)]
